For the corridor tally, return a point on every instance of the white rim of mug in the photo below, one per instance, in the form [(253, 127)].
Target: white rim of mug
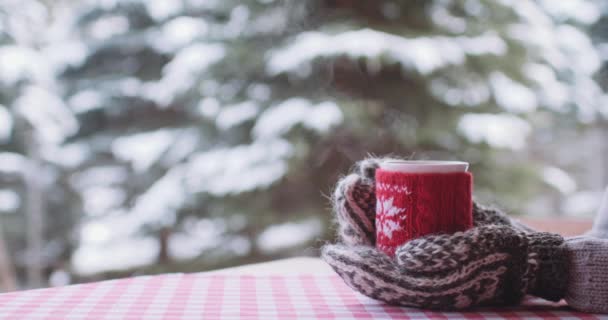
[(452, 165)]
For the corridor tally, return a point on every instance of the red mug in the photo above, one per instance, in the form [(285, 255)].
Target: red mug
[(418, 198)]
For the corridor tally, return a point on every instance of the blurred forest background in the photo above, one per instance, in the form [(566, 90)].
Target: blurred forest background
[(146, 136)]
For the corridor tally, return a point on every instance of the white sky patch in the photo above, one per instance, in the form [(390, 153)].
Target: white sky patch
[(286, 235), (233, 115), (423, 54), (9, 200), (178, 33), (511, 95), (143, 150), (278, 120), (497, 130), (182, 72), (51, 118), (109, 26), (559, 179), (6, 124), (238, 169), (86, 100)]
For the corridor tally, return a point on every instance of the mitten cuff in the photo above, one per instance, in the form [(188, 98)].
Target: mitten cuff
[(548, 266)]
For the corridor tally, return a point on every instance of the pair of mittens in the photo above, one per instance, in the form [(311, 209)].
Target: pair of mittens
[(497, 262)]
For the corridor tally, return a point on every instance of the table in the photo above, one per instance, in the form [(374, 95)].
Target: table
[(298, 288)]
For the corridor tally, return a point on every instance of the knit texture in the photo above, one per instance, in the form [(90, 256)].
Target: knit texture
[(410, 205), (587, 287), (495, 263), (488, 265)]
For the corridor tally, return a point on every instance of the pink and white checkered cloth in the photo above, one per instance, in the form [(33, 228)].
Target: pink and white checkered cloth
[(229, 296)]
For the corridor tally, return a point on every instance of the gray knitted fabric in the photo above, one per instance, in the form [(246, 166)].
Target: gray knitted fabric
[(495, 263), (588, 285)]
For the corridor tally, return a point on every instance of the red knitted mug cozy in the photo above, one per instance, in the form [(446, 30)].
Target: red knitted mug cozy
[(410, 205)]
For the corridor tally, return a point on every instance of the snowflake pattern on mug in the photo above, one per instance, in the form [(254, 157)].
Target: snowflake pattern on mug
[(389, 222)]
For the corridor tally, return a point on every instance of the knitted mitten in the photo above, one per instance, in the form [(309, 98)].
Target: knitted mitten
[(497, 262), (587, 287)]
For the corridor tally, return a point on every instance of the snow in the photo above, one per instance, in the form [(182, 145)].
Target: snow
[(13, 163), (99, 200), (157, 205), (198, 235), (49, 116), (21, 63), (468, 91), (64, 53), (95, 233), (177, 33), (497, 130), (279, 119), (551, 92), (565, 48), (238, 22), (181, 73), (6, 124), (108, 26), (143, 150), (135, 252), (68, 155), (9, 200), (283, 236), (441, 16), (209, 107), (323, 117), (423, 54), (243, 168), (511, 95), (99, 176), (162, 9), (86, 100), (185, 143), (582, 11), (559, 179), (233, 115)]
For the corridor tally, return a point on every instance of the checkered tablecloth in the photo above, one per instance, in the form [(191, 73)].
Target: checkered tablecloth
[(233, 296)]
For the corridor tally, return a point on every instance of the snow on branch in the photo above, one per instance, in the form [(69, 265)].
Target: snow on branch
[(422, 54)]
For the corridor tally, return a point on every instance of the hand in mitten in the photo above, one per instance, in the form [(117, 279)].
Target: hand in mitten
[(497, 262)]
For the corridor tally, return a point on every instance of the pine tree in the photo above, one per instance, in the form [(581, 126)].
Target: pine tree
[(203, 123), (38, 213), (234, 114)]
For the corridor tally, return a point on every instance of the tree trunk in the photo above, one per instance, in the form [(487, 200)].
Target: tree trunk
[(8, 281), (164, 256), (34, 212)]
